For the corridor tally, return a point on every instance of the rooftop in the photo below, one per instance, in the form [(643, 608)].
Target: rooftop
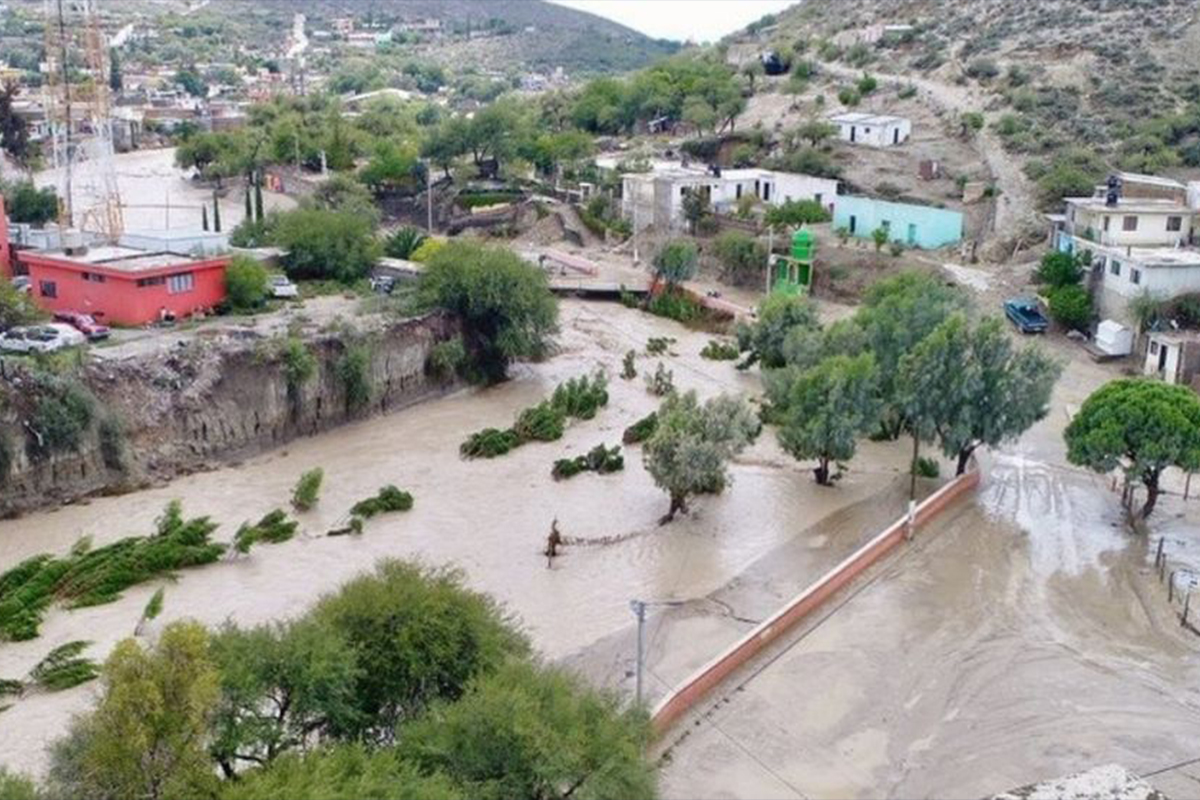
[(1164, 256), (1141, 205), (865, 118), (1153, 180), (122, 259)]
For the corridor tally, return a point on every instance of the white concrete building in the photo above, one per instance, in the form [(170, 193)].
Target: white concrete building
[(873, 130), (1173, 356), (1139, 236), (656, 197)]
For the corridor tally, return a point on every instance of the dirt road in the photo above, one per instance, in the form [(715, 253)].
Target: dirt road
[(1016, 203)]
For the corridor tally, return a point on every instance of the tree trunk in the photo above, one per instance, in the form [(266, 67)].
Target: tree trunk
[(964, 458), (1152, 492), (678, 504), (822, 472)]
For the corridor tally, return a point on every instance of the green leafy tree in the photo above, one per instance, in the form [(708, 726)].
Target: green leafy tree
[(246, 283), (898, 313), (116, 80), (14, 130), (342, 772), (502, 302), (16, 308), (191, 82), (1059, 269), (24, 202), (146, 736), (1139, 426), (815, 131), (794, 213), (828, 408), (280, 684), (1071, 307), (970, 387), (676, 262), (696, 209), (778, 316), (692, 445), (418, 636), (743, 258), (534, 732), (324, 244), (308, 489)]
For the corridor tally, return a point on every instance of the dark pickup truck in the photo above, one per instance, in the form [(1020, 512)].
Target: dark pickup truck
[(1026, 315)]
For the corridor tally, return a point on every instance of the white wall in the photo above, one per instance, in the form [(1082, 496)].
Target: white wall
[(1151, 228), (875, 135)]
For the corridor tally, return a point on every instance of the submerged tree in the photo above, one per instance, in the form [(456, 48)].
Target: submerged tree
[(828, 408), (692, 445), (778, 316), (1139, 426)]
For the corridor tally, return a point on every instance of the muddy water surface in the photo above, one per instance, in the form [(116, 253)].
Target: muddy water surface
[(488, 517)]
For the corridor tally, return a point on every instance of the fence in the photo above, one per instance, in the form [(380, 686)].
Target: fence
[(683, 697), (1181, 583)]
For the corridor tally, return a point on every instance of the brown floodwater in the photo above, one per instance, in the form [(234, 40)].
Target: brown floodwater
[(490, 518)]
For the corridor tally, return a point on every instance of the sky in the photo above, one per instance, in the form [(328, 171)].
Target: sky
[(700, 20)]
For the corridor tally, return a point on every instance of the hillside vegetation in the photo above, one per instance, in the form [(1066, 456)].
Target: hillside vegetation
[(1072, 87)]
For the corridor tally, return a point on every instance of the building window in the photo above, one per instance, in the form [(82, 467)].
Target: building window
[(1107, 222), (183, 282), (1135, 276), (738, 193), (886, 224), (93, 277), (49, 288), (144, 282), (1129, 223), (1114, 267), (1154, 348), (1174, 223), (817, 198)]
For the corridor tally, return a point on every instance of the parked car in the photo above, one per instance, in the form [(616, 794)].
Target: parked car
[(383, 284), (1026, 315), (40, 338), (282, 287), (84, 323)]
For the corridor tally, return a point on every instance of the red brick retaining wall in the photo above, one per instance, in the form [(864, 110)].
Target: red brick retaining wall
[(687, 694)]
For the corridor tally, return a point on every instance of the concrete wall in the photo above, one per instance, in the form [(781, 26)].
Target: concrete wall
[(685, 696), (1151, 228), (908, 224), (875, 135)]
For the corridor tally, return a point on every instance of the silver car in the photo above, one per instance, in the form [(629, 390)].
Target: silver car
[(40, 338)]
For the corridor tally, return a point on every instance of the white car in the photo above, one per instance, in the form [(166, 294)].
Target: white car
[(282, 287), (40, 338)]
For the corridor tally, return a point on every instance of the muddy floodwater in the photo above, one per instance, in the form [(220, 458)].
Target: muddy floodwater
[(490, 518), (1022, 637)]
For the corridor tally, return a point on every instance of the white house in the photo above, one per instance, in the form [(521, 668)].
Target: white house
[(656, 197), (1138, 234), (1174, 356), (873, 130)]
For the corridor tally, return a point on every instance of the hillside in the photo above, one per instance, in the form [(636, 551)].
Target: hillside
[(576, 40), (1068, 88)]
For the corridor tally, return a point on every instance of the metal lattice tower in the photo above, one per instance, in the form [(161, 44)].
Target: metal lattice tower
[(77, 102)]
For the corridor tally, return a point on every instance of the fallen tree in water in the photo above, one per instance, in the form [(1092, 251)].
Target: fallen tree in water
[(599, 459)]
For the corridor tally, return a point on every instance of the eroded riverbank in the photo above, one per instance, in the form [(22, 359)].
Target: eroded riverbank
[(488, 517)]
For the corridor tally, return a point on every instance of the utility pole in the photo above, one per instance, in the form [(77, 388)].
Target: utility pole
[(770, 254), (636, 258), (639, 610)]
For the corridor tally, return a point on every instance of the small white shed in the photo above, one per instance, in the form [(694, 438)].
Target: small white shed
[(1113, 338), (873, 130)]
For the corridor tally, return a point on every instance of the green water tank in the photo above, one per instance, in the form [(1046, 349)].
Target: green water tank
[(803, 244)]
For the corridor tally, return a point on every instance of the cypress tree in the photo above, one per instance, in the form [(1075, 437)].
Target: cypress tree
[(258, 198), (216, 213), (249, 211), (204, 216)]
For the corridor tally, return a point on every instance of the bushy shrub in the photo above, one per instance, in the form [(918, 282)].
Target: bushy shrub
[(386, 500), (273, 528), (659, 345), (599, 459), (675, 304), (628, 372), (662, 382), (352, 372), (581, 397), (111, 434), (794, 213), (489, 443), (403, 242), (246, 283), (308, 489), (849, 96), (62, 416), (543, 422), (1071, 307), (927, 467), (641, 430), (1058, 269), (448, 358), (720, 351)]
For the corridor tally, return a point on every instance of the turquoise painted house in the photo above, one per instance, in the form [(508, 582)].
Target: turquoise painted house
[(911, 225)]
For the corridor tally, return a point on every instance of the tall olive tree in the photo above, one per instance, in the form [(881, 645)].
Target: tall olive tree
[(1139, 426), (828, 408), (691, 447), (778, 316)]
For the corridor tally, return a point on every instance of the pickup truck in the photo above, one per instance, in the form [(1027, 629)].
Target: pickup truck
[(1025, 314)]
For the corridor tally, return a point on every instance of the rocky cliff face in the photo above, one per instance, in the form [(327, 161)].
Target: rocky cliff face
[(210, 403)]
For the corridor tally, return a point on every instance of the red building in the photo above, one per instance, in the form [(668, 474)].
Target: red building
[(123, 285)]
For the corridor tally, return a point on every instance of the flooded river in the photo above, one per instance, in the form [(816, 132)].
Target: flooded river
[(488, 517)]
